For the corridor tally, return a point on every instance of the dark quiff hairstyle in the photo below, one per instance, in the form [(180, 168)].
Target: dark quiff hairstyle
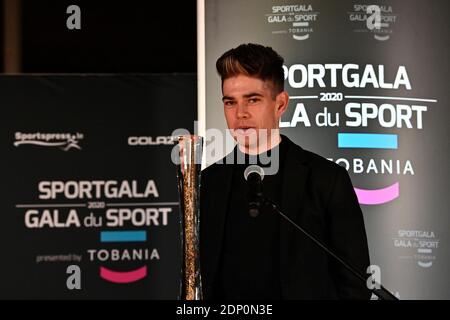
[(253, 60)]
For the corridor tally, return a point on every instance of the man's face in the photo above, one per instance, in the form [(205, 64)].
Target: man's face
[(250, 106)]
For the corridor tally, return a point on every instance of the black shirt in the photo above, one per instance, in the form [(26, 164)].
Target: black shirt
[(250, 254)]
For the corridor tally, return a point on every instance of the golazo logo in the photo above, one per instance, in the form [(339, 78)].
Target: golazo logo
[(64, 141), (151, 141)]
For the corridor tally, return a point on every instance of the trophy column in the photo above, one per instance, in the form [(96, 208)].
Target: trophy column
[(188, 174)]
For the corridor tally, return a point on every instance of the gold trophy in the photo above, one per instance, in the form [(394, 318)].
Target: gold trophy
[(188, 173)]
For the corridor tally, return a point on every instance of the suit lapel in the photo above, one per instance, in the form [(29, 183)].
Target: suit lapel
[(294, 182), (293, 186), (217, 207)]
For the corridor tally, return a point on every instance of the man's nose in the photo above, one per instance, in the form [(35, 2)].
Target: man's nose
[(242, 111)]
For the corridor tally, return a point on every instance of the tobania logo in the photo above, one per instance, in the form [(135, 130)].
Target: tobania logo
[(64, 141), (123, 255)]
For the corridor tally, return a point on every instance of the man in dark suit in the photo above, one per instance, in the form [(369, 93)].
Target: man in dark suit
[(264, 257)]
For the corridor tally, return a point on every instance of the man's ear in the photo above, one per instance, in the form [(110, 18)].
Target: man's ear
[(281, 103)]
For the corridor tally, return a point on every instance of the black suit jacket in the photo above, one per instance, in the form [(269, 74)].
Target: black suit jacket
[(318, 195)]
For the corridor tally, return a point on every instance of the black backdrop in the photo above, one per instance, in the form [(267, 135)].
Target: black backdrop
[(96, 137)]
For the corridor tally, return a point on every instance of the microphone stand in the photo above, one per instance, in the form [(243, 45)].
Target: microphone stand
[(379, 290)]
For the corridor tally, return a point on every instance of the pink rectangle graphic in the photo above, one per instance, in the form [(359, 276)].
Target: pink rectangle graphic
[(123, 277), (378, 196)]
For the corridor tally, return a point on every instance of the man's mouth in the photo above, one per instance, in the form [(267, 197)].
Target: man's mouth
[(244, 130)]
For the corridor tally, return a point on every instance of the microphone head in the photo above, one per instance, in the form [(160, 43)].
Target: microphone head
[(254, 169)]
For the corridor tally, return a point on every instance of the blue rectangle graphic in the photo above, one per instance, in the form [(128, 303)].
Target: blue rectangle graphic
[(123, 236), (368, 140)]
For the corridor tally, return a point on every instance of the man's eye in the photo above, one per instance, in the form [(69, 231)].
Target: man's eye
[(229, 103), (253, 100)]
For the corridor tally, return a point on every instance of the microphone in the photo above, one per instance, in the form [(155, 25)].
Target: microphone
[(254, 175)]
